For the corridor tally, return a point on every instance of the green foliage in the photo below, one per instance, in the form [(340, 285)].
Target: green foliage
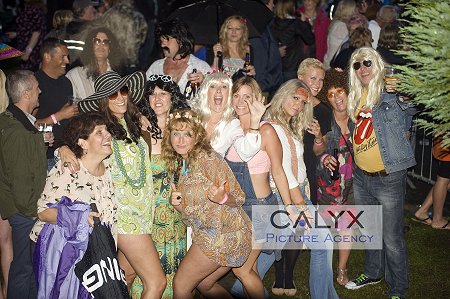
[(426, 78)]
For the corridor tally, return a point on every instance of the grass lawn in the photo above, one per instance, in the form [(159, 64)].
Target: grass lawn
[(429, 268)]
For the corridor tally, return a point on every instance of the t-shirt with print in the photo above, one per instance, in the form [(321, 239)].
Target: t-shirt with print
[(366, 150)]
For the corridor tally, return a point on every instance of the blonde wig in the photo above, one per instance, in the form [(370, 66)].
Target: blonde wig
[(376, 85), (307, 64), (250, 82), (3, 96), (184, 119), (299, 123), (243, 45), (201, 103), (344, 10)]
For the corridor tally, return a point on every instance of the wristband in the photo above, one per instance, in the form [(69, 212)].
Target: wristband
[(323, 158), (55, 121), (28, 50), (224, 200), (318, 143)]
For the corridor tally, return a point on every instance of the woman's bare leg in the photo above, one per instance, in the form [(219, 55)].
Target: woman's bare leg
[(193, 270), (249, 278), (142, 256)]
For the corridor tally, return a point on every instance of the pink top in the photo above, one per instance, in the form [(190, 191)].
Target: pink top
[(260, 163)]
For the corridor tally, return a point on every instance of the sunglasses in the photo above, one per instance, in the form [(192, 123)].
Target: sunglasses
[(357, 65), (123, 92), (164, 78), (103, 42), (339, 91)]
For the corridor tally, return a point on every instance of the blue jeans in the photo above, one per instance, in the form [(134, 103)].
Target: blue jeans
[(22, 282), (321, 262), (388, 191)]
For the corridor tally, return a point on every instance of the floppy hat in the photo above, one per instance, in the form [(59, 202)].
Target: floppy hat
[(8, 52), (111, 82)]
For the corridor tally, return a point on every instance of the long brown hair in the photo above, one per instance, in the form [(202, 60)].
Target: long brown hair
[(182, 120), (243, 46)]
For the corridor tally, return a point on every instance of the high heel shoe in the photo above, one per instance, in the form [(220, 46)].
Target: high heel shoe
[(291, 292), (342, 277), (277, 291)]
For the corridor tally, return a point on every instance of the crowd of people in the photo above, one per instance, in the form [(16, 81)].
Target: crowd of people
[(180, 151)]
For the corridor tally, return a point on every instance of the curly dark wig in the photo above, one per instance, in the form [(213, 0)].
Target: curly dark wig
[(177, 100), (178, 30), (115, 57), (80, 127), (333, 79)]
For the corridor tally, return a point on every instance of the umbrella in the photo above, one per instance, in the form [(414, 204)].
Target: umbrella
[(205, 18), (99, 270), (8, 52)]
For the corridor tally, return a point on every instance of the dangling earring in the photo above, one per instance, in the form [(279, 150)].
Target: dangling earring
[(85, 151)]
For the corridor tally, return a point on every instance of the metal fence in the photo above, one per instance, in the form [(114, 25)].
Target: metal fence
[(426, 167)]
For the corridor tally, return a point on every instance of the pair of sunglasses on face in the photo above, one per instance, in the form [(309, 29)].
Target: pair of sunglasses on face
[(123, 92), (357, 65), (98, 42), (339, 91)]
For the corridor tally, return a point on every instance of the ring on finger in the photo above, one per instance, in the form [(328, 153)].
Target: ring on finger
[(66, 164)]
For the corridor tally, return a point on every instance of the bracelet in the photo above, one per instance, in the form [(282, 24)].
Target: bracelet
[(55, 121), (224, 200), (28, 50), (318, 143), (252, 129)]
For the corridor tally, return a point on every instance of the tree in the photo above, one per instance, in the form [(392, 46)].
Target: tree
[(426, 78)]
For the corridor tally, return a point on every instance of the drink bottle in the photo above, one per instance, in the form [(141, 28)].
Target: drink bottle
[(335, 172), (191, 88)]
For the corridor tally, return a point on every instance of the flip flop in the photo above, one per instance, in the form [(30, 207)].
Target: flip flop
[(445, 226), (426, 221)]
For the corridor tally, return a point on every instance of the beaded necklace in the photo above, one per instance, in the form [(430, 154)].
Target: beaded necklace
[(135, 183)]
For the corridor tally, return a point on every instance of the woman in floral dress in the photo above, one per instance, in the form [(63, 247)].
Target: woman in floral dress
[(209, 199), (169, 231)]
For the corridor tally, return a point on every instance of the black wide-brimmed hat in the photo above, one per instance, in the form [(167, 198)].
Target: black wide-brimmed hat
[(111, 82)]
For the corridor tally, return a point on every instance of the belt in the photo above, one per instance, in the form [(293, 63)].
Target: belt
[(378, 173)]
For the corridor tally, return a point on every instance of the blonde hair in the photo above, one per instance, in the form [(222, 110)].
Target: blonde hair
[(356, 88), (299, 123), (184, 119), (243, 44), (284, 8), (61, 18), (307, 64), (344, 10), (201, 106), (248, 81), (4, 101)]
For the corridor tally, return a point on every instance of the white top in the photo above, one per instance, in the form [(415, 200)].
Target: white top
[(81, 84), (337, 34), (193, 63), (287, 158), (375, 29), (247, 145)]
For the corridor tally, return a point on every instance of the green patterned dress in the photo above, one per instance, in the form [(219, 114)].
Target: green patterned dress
[(132, 178), (169, 231)]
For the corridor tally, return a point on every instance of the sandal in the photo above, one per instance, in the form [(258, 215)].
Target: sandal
[(342, 277)]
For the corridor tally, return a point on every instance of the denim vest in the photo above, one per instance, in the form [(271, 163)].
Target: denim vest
[(333, 138), (391, 120)]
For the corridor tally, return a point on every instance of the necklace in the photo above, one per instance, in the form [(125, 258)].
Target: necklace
[(135, 183)]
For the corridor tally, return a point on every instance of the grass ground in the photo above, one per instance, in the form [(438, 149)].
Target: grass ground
[(428, 256)]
